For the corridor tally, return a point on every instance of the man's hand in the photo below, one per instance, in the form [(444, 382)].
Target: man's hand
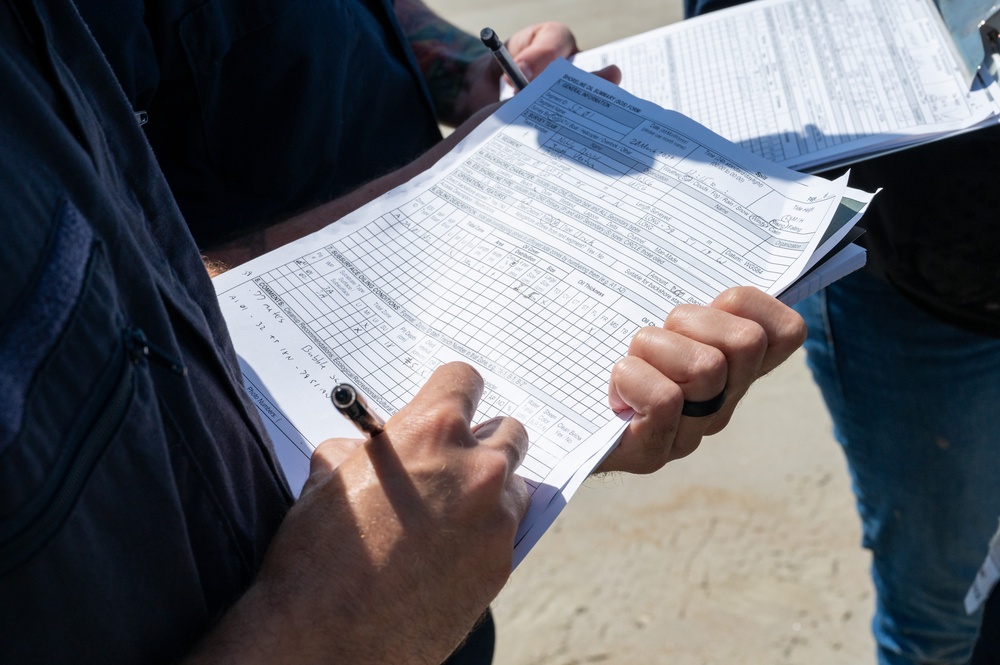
[(222, 257), (533, 49), (697, 353), (397, 545)]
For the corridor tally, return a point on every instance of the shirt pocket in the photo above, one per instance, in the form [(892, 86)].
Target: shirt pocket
[(67, 380)]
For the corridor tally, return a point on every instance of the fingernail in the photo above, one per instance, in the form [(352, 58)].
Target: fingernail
[(487, 427)]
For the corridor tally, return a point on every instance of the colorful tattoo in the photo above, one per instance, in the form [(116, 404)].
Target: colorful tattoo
[(443, 53)]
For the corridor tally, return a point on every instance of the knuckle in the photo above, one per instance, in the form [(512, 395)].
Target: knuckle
[(792, 330), (461, 376), (709, 364), (492, 470), (508, 435), (680, 315), (445, 420), (643, 339), (666, 404), (743, 299), (733, 299), (517, 434), (748, 338), (484, 477)]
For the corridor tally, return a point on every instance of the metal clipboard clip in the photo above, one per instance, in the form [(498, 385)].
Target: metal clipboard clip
[(989, 31)]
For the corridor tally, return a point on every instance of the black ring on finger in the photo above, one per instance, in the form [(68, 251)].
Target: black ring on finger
[(706, 408)]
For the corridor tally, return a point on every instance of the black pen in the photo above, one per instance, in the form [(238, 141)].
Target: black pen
[(346, 399), (503, 57)]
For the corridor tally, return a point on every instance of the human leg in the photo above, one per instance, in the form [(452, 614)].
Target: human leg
[(915, 404)]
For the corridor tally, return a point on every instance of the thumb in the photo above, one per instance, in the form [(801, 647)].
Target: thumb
[(329, 455), (611, 74)]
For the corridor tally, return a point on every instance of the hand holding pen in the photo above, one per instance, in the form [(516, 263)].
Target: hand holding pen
[(422, 516), (535, 47), (507, 63), (528, 50)]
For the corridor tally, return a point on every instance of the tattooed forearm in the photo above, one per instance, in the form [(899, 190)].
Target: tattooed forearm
[(443, 52)]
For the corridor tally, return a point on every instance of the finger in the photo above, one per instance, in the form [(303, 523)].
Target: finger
[(453, 388), (534, 48), (611, 73), (326, 458), (332, 452), (741, 342), (550, 39), (663, 370), (785, 329), (658, 432), (701, 370), (506, 435), (656, 401), (518, 497)]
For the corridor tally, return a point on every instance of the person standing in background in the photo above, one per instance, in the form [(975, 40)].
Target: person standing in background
[(907, 355), (258, 111)]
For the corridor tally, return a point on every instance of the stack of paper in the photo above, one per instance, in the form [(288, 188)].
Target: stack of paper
[(813, 84), (533, 251)]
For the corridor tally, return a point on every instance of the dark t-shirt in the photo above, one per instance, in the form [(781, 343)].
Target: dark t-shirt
[(259, 109), (137, 499), (934, 229)]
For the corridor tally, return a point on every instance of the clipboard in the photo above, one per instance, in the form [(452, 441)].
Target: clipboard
[(989, 34), (796, 76), (974, 26)]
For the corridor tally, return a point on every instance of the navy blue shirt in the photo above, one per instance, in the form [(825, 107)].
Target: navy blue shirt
[(259, 109), (138, 493)]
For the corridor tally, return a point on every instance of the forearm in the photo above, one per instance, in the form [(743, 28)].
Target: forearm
[(265, 627), (220, 258), (445, 55)]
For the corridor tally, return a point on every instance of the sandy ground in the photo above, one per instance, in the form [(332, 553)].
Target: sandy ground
[(745, 552)]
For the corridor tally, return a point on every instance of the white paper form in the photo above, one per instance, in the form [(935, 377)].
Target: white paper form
[(533, 251), (807, 83)]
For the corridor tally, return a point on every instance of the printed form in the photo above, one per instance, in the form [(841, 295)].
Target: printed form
[(807, 83), (533, 251)]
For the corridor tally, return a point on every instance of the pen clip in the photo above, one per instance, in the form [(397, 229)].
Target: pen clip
[(989, 33)]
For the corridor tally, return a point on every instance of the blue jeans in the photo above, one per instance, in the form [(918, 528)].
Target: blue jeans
[(916, 406)]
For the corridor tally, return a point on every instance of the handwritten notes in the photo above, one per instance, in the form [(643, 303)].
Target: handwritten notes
[(534, 251)]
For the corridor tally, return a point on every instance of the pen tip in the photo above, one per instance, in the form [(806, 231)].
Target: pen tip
[(489, 38), (343, 395)]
